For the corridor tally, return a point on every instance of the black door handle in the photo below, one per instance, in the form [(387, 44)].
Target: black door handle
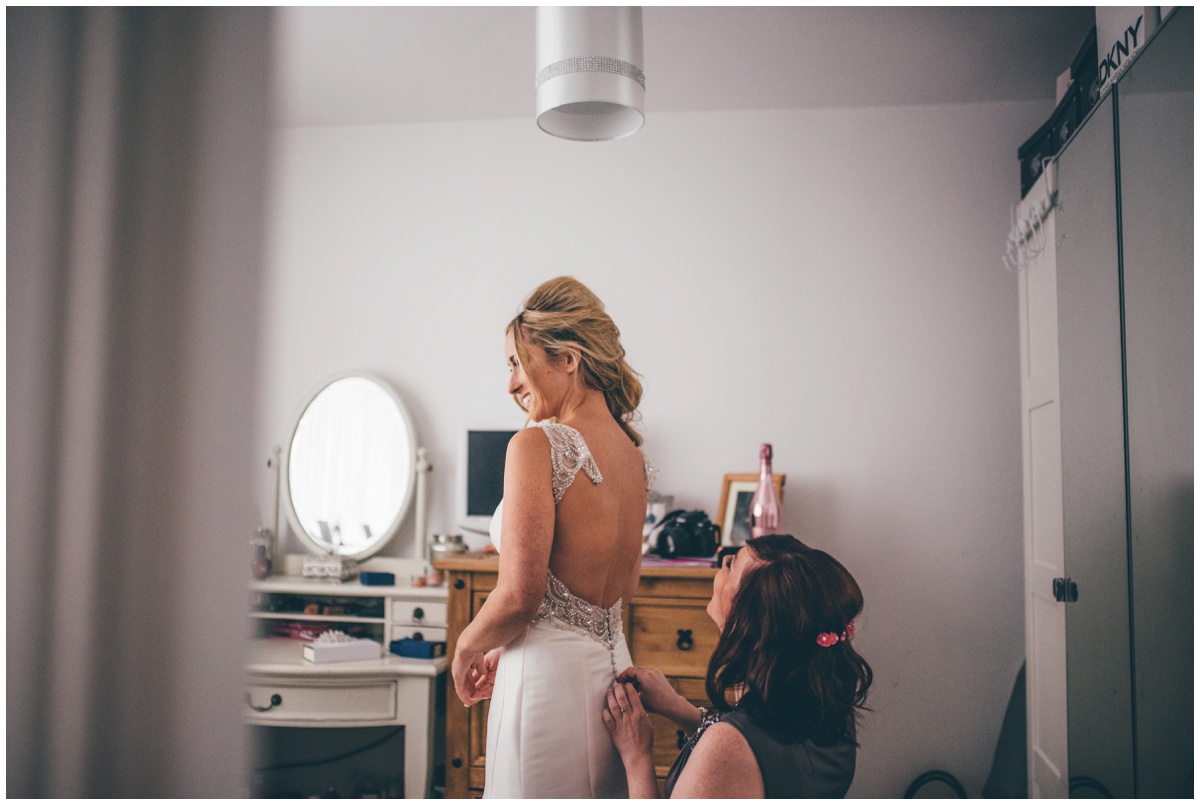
[(1065, 590)]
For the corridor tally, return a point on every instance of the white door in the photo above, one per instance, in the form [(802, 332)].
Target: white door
[(1045, 619)]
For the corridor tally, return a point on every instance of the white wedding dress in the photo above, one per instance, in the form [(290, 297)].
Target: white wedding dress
[(545, 737)]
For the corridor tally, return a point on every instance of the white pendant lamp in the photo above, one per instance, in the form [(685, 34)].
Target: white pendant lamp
[(590, 84)]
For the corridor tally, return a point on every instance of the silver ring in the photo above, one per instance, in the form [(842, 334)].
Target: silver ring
[(624, 709)]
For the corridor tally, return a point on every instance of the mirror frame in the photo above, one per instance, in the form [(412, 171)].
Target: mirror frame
[(406, 503)]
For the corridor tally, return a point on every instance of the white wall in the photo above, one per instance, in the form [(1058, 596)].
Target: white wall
[(829, 281)]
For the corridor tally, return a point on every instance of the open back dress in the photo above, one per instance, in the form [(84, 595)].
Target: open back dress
[(545, 737)]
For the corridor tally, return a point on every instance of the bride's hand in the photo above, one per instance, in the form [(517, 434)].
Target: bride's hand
[(474, 674), (629, 725), (657, 695), (486, 679)]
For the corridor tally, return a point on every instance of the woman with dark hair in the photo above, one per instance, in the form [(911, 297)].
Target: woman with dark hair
[(785, 682)]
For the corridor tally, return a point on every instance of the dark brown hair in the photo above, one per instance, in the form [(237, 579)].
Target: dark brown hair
[(563, 313), (791, 685)]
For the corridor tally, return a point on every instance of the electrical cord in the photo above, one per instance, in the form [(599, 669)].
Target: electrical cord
[(936, 776), (335, 758)]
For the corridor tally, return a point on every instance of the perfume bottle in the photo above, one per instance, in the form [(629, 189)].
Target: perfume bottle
[(260, 566), (764, 506)]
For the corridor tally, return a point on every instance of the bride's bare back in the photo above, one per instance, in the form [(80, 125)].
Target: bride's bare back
[(598, 527)]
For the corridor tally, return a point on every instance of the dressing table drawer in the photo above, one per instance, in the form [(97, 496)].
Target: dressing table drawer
[(678, 638), (419, 613), (319, 701), (433, 634)]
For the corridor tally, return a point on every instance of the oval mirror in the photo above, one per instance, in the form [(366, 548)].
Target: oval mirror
[(350, 467)]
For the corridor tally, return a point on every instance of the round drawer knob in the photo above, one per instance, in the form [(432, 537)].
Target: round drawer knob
[(418, 614), (458, 585), (685, 641), (418, 636), (456, 763)]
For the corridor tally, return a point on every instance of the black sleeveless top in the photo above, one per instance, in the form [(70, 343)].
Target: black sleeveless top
[(798, 770)]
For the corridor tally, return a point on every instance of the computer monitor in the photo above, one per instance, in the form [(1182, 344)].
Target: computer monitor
[(480, 475)]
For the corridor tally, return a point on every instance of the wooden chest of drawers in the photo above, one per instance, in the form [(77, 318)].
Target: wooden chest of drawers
[(666, 626)]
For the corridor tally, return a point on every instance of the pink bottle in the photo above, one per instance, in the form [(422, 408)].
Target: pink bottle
[(764, 507)]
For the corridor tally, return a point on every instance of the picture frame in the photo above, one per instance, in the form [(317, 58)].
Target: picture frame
[(733, 513)]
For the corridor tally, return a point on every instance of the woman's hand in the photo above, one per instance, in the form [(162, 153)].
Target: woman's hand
[(659, 697), (629, 725), (474, 673)]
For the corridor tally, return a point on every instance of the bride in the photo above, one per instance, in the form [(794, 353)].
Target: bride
[(547, 644)]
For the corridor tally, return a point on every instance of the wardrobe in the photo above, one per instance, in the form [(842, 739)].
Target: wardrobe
[(1107, 394)]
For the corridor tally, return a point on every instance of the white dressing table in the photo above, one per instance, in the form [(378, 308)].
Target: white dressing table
[(349, 473), (285, 690)]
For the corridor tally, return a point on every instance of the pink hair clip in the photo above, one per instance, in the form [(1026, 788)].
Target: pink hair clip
[(827, 639)]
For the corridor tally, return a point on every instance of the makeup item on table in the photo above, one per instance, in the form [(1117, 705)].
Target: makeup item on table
[(260, 566)]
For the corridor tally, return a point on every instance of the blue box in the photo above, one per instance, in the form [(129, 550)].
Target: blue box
[(421, 649), (377, 578)]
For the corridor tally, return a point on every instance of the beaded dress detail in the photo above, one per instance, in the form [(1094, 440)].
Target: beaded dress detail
[(565, 610), (569, 454)]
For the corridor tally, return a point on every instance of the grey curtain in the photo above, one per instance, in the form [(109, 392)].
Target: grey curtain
[(137, 173)]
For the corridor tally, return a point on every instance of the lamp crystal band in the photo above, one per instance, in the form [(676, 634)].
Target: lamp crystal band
[(590, 64)]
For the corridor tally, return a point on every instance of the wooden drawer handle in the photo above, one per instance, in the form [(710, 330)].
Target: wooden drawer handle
[(276, 700), (685, 641)]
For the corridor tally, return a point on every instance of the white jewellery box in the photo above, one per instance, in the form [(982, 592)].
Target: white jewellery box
[(340, 647), (328, 567)]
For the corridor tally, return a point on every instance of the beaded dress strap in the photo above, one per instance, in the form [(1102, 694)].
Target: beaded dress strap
[(569, 454), (651, 471)]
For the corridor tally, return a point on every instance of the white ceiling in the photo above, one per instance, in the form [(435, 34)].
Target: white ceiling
[(350, 66)]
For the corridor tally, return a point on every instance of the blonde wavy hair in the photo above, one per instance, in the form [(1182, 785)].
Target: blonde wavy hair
[(563, 313)]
